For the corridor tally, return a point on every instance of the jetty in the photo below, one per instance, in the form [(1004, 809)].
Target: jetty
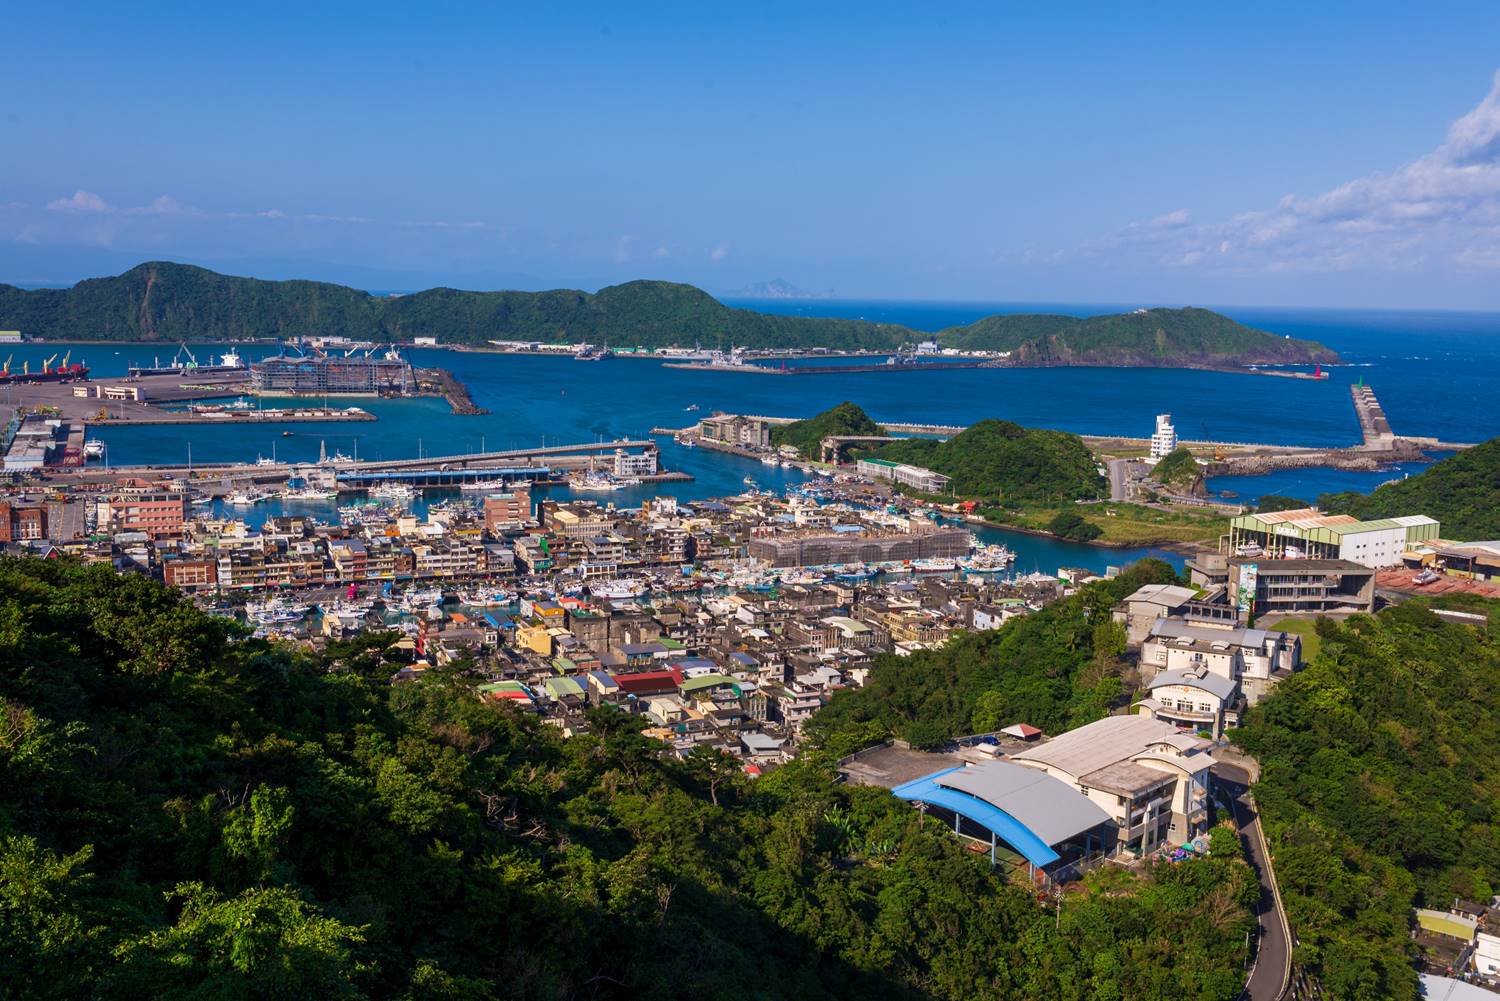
[(916, 366)]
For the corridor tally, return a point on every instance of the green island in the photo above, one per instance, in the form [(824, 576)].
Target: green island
[(164, 301), (1145, 337), (1460, 491), (187, 812), (1033, 479)]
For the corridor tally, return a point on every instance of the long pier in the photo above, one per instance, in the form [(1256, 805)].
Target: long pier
[(936, 366)]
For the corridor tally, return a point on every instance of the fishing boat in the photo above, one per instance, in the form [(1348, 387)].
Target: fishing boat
[(619, 589), (276, 611), (991, 559), (242, 498), (855, 574), (594, 481), (310, 493), (393, 491), (934, 566), (484, 486)]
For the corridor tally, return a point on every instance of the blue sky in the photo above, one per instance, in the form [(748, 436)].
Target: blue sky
[(1271, 155)]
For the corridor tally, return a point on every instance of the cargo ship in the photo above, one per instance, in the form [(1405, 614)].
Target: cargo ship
[(230, 362), (62, 373)]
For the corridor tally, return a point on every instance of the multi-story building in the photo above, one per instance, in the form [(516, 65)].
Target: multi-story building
[(1307, 533), (915, 477), (1254, 659), (157, 513), (1326, 587), (201, 574), (628, 464), (734, 429), (792, 549), (1164, 438), (1152, 779), (505, 511)]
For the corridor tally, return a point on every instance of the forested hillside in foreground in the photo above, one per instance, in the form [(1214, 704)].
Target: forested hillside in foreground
[(186, 814), (1380, 790)]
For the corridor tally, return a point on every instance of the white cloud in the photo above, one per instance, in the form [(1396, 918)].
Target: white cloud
[(622, 250), (1440, 210), (718, 253), (80, 201), (271, 214), (662, 253)]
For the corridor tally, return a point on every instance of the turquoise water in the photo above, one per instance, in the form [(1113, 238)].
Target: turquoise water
[(1437, 374)]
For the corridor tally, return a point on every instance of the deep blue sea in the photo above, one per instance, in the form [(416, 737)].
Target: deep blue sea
[(1437, 373)]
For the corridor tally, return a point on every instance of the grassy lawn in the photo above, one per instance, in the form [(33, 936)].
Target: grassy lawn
[(1304, 628), (1132, 524)]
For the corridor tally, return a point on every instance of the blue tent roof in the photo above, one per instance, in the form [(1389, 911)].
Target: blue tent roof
[(1008, 828)]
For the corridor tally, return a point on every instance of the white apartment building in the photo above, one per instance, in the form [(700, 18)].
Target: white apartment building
[(1164, 438), (635, 463), (1253, 659)]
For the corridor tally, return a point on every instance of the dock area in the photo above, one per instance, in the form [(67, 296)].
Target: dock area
[(441, 382)]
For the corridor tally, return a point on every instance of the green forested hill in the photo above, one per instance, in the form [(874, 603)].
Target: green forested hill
[(1380, 789), (1178, 470), (1007, 462), (1462, 492), (1147, 337), (806, 436), (187, 814), (162, 301)]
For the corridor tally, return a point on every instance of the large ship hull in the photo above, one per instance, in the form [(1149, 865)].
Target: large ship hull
[(69, 374)]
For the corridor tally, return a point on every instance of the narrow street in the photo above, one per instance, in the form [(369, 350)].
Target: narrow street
[(1272, 965)]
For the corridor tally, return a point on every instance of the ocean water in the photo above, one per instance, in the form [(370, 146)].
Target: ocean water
[(1438, 374)]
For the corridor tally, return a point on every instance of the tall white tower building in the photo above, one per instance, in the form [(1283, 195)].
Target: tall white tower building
[(1164, 439)]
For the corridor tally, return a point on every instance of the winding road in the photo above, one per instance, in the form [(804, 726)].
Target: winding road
[(1271, 971)]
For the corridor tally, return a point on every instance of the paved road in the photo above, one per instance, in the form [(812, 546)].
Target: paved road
[(1119, 470), (1268, 977)]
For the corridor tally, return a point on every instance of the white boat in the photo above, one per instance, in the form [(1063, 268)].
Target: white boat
[(201, 501), (241, 498), (934, 566), (276, 611), (485, 486), (770, 460), (93, 449), (310, 493), (594, 481), (421, 597), (394, 491), (619, 589), (261, 460)]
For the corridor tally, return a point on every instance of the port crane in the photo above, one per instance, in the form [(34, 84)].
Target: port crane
[(47, 365), (6, 368)]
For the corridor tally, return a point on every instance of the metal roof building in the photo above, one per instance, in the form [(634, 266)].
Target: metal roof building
[(1028, 809)]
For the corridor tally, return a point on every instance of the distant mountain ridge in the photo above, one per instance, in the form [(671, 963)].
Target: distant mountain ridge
[(163, 301)]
